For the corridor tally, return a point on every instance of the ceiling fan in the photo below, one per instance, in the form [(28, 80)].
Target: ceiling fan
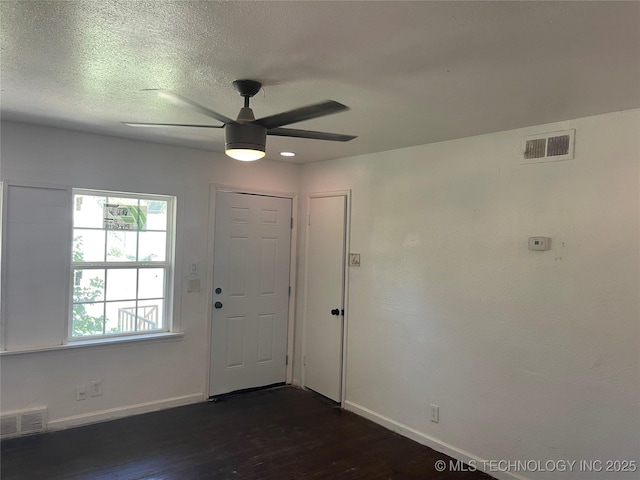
[(245, 137)]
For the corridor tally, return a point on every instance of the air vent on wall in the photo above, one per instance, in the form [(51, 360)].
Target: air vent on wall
[(548, 147), (23, 423)]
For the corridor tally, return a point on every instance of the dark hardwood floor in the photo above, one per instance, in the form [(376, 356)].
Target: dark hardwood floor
[(283, 433)]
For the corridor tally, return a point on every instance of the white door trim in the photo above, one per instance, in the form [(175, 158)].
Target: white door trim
[(214, 188), (345, 323)]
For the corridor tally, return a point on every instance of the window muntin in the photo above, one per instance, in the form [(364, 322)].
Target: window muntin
[(120, 277)]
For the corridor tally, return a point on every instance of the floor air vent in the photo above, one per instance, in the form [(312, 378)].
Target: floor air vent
[(23, 423), (548, 147)]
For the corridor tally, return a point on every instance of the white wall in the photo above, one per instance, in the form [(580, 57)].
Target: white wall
[(530, 355), (136, 376)]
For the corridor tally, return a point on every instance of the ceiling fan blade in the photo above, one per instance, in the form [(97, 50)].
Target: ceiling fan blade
[(152, 125), (296, 115), (190, 104), (291, 132)]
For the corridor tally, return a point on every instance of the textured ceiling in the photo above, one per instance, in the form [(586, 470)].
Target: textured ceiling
[(412, 72)]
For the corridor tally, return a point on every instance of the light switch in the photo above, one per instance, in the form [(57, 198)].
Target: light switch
[(193, 268)]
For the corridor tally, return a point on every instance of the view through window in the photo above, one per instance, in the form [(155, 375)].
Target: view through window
[(121, 263)]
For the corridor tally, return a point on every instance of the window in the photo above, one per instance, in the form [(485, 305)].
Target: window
[(121, 264)]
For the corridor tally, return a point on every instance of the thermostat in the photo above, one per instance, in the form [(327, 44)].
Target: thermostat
[(539, 243)]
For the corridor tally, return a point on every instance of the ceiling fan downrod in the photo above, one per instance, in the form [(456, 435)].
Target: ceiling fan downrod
[(247, 89)]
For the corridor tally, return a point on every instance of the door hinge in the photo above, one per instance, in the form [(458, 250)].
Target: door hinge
[(286, 359), (291, 222), (309, 219), (289, 290)]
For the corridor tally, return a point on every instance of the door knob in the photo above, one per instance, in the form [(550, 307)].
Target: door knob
[(218, 304), (335, 311)]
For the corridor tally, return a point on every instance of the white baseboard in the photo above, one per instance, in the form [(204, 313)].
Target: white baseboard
[(427, 440), (120, 412)]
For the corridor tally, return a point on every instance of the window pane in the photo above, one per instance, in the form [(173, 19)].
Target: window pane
[(121, 246), (88, 245), (88, 285), (156, 214), (151, 314), (87, 211), (153, 247), (121, 317), (124, 214), (121, 284), (151, 283), (88, 319)]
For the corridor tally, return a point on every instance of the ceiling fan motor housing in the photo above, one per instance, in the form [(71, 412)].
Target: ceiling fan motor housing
[(245, 136)]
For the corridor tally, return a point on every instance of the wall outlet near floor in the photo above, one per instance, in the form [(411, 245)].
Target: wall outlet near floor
[(95, 388), (81, 392), (435, 413)]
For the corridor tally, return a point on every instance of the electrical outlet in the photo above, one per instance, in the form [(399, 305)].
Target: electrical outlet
[(435, 413), (95, 388), (81, 392)]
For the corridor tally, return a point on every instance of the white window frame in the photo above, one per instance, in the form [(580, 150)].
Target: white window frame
[(3, 229), (168, 265)]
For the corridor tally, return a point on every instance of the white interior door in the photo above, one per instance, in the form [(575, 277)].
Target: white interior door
[(325, 296), (252, 242)]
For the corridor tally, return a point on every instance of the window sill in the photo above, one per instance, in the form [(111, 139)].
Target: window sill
[(98, 342)]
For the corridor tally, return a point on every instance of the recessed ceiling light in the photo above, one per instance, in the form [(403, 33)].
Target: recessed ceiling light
[(287, 154)]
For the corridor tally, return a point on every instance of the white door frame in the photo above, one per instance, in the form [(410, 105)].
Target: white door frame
[(347, 234), (214, 188)]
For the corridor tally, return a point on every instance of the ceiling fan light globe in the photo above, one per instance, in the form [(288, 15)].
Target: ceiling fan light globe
[(244, 154)]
